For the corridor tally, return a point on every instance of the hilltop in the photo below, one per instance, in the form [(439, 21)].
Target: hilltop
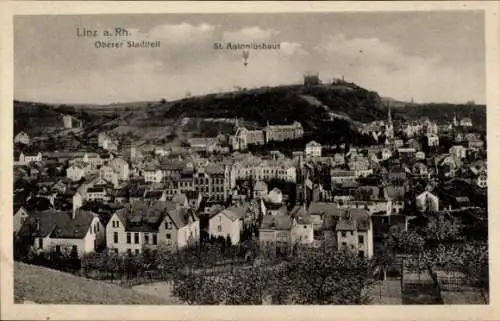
[(329, 113), (45, 286)]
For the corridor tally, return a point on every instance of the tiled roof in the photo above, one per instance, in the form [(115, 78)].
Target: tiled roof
[(276, 222), (58, 224), (260, 186), (236, 212)]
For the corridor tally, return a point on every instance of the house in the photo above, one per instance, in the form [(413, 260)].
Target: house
[(475, 144), (20, 216), (76, 172), (466, 122), (80, 231), (313, 149), (420, 170), (121, 168), (152, 174), (432, 140), (396, 195), (458, 151), (360, 166), (71, 122), (342, 176), (386, 153), (427, 202), (141, 225), (482, 179), (355, 232), (397, 174), (22, 138), (420, 155), (108, 173), (93, 159), (28, 157), (228, 223), (302, 231), (275, 232), (259, 189)]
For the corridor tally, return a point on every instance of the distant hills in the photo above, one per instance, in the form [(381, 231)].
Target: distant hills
[(328, 112)]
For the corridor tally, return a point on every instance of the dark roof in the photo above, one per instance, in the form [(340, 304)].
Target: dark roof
[(394, 192), (353, 219), (156, 194), (96, 190), (276, 222), (235, 212), (147, 216), (58, 224)]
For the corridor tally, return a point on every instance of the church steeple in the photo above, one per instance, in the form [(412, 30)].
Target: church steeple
[(389, 117)]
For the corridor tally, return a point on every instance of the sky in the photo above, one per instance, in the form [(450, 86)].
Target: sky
[(425, 56)]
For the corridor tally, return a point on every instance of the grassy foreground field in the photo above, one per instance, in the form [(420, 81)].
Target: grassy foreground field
[(45, 286)]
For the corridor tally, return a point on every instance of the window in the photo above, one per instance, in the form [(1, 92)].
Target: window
[(40, 243), (116, 251), (136, 251), (361, 239), (58, 249), (155, 239), (146, 238), (168, 236), (136, 238), (115, 237), (166, 226), (361, 254), (97, 225), (219, 228), (343, 234), (129, 238)]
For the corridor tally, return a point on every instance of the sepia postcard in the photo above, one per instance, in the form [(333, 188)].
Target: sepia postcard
[(249, 160)]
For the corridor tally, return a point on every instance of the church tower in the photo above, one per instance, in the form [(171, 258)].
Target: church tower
[(389, 128)]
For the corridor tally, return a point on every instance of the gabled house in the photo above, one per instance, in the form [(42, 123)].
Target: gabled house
[(76, 172), (80, 231), (466, 122), (228, 223), (20, 216), (152, 174), (260, 189), (355, 232), (396, 195), (313, 149), (141, 225), (427, 202), (22, 138), (458, 151), (276, 232)]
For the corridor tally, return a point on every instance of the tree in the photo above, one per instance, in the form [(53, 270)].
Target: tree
[(400, 241), (325, 276), (441, 228)]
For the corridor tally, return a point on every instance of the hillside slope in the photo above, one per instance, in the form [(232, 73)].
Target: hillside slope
[(45, 286)]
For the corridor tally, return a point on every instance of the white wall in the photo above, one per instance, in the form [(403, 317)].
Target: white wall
[(228, 227)]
